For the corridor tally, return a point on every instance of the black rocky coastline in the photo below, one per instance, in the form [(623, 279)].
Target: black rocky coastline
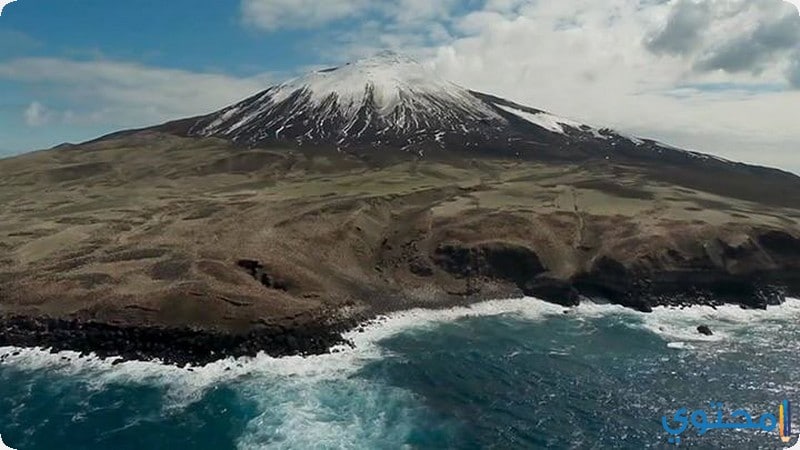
[(173, 346), (182, 347)]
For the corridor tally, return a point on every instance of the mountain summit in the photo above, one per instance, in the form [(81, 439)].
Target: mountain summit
[(392, 101), (387, 100)]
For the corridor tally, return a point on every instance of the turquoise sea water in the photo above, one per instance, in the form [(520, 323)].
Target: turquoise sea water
[(506, 374)]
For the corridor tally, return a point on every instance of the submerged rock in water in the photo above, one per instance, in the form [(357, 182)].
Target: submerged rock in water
[(704, 330)]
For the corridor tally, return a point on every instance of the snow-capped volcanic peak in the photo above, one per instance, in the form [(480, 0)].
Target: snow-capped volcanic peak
[(387, 98), (388, 80)]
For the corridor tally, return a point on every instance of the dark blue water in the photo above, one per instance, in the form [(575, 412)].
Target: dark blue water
[(515, 375)]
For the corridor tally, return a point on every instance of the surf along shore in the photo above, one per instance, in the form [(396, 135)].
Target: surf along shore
[(154, 246)]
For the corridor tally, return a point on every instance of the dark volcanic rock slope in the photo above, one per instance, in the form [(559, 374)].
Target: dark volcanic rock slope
[(278, 222)]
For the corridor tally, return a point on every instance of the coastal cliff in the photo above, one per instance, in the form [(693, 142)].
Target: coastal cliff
[(241, 231)]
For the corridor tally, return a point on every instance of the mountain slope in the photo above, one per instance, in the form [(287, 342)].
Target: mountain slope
[(388, 101), (276, 223), (389, 106)]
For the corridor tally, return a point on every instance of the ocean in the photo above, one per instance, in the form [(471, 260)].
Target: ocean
[(509, 374)]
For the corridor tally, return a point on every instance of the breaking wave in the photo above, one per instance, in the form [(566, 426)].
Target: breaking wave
[(342, 399)]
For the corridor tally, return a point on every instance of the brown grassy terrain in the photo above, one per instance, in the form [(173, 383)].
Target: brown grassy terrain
[(149, 229)]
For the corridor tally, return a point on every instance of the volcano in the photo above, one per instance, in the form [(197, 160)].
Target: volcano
[(392, 102), (280, 221), (388, 101)]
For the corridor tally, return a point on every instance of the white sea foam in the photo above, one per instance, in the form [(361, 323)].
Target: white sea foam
[(681, 324), (665, 321), (317, 400), (184, 386), (678, 345), (353, 412), (677, 326)]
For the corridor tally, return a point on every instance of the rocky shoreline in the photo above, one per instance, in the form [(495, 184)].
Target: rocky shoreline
[(184, 346), (179, 347), (154, 246)]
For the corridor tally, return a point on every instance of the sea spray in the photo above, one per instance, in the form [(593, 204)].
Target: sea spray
[(669, 322), (390, 387)]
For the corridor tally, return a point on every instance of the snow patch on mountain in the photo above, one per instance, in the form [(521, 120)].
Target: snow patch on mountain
[(392, 101), (388, 80), (555, 123), (388, 94), (542, 119)]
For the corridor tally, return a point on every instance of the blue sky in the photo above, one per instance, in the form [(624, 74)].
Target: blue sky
[(720, 76), (168, 35), (183, 34)]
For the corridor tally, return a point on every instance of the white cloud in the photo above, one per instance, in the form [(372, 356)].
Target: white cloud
[(725, 79), (4, 3), (721, 82), (37, 115), (124, 94), (589, 60), (796, 4), (275, 14), (410, 12)]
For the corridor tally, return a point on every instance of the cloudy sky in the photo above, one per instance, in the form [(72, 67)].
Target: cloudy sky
[(721, 76)]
